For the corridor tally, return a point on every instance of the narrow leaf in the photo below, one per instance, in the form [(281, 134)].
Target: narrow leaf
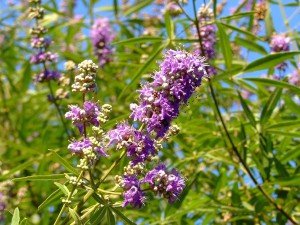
[(122, 216), (225, 45), (40, 177), (270, 61), (16, 217), (50, 199), (110, 217), (64, 163), (138, 6), (247, 111), (270, 106), (138, 40), (75, 216)]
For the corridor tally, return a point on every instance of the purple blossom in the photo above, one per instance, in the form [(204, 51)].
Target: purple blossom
[(48, 75), (179, 75), (280, 43), (132, 192), (139, 146), (78, 146), (294, 77), (40, 42), (2, 207), (208, 40), (86, 116), (168, 184), (102, 37), (43, 57)]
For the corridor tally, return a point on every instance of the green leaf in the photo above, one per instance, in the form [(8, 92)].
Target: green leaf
[(237, 15), (138, 40), (269, 25), (225, 45), (270, 106), (64, 163), (215, 8), (247, 111), (16, 217), (142, 69), (122, 216), (110, 217), (50, 199), (276, 83), (285, 133), (290, 181), (286, 124), (41, 177), (251, 45), (116, 8), (98, 216), (138, 6), (245, 32), (270, 61), (17, 168), (63, 188), (169, 26), (75, 216)]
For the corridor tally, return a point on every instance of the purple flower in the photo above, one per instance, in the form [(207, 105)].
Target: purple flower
[(132, 192), (179, 75), (78, 146), (2, 208), (86, 116), (102, 37), (48, 75), (139, 146), (294, 77), (168, 184), (43, 57), (280, 43), (40, 42)]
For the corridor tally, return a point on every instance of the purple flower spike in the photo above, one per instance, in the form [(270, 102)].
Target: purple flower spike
[(48, 75), (179, 75), (168, 184), (86, 116), (139, 146), (102, 37), (132, 192), (280, 43), (43, 57), (78, 146)]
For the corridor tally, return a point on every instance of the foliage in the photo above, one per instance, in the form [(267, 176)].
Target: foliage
[(238, 145)]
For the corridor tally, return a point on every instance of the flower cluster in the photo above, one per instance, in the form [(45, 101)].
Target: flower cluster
[(88, 115), (168, 184), (85, 81), (207, 37), (102, 37), (179, 75), (2, 208), (139, 146), (132, 191), (294, 77), (41, 44), (280, 43)]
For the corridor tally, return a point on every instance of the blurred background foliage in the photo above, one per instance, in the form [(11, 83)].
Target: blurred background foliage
[(260, 113)]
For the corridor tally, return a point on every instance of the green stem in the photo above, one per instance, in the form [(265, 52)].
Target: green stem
[(58, 110), (236, 152), (68, 198)]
